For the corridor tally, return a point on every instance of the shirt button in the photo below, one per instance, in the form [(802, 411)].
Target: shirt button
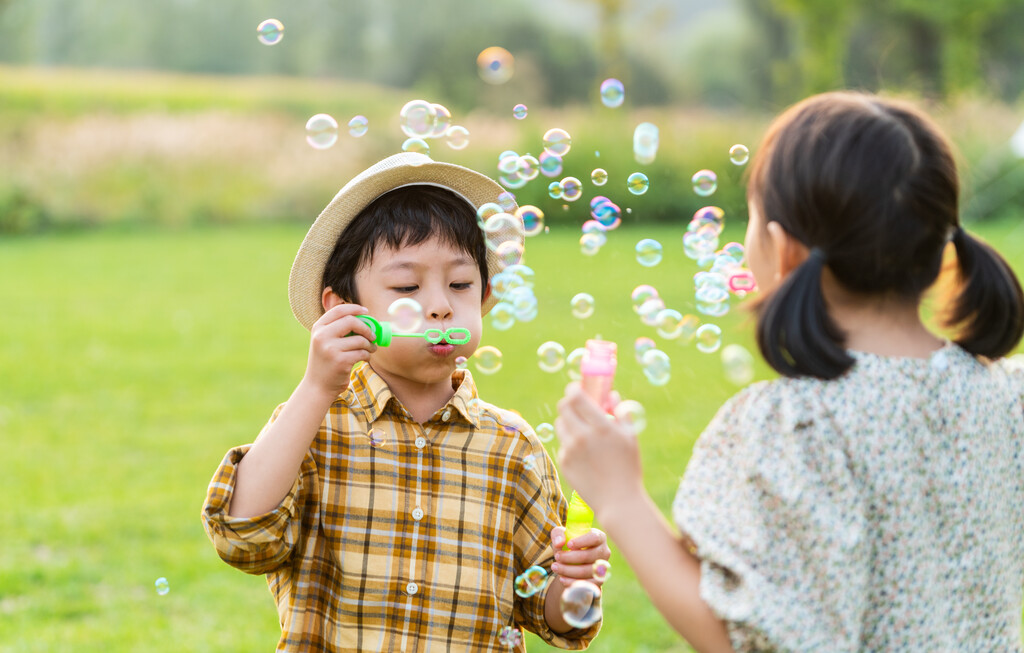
[(412, 588), (446, 415), (417, 514), (421, 442)]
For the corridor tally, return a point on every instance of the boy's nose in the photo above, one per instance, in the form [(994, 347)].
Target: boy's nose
[(439, 313)]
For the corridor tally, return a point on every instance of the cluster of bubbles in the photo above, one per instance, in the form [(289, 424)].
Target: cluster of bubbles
[(605, 216), (530, 581), (515, 170), (513, 287), (495, 65), (322, 130), (421, 120)]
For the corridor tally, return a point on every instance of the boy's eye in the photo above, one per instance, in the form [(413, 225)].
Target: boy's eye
[(462, 286), (405, 289)]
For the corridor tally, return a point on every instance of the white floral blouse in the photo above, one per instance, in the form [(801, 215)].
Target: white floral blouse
[(881, 511)]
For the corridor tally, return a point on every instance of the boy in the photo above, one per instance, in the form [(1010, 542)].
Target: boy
[(389, 507)]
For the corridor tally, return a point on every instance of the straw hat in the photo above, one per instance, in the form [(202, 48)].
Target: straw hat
[(305, 283)]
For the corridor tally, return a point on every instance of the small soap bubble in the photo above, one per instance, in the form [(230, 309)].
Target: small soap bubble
[(602, 570), (669, 323), (551, 356), (591, 243), (738, 364), (461, 362), (457, 137), (418, 118), (519, 111), (641, 346), (709, 338), (631, 414), (582, 305), (555, 190), (531, 581), (707, 217), (572, 189), (486, 211), (657, 367), (688, 327), (574, 362), (487, 359), (528, 167), (735, 250), (417, 145), (507, 202), (651, 310), (358, 126), (705, 182), (613, 93), (645, 143), (638, 183), (475, 405), (406, 315), (545, 432), (321, 131), (581, 604), (377, 438), (503, 316), (533, 219), (557, 141), (648, 252), (442, 121), (162, 586), (509, 253), (550, 164), (599, 176), (641, 294), (510, 637), (270, 31), (495, 65), (739, 154)]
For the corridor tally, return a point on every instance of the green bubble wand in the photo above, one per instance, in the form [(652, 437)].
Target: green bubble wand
[(383, 333)]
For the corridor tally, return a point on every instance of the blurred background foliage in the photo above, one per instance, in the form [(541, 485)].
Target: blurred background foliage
[(192, 120)]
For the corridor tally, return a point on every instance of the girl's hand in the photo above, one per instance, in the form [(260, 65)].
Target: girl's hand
[(338, 340), (599, 455), (578, 562)]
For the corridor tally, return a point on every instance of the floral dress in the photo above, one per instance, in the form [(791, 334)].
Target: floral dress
[(880, 511)]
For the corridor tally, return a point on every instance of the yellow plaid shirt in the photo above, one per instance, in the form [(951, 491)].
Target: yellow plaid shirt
[(400, 536)]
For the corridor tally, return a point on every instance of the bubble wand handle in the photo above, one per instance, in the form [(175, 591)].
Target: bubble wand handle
[(598, 371), (578, 519)]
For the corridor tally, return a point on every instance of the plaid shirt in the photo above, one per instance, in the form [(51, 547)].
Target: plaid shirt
[(398, 536)]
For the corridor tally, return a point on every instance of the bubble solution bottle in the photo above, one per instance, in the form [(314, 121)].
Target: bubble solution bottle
[(598, 371)]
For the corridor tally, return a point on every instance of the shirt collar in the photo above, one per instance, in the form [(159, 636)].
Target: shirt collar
[(372, 394)]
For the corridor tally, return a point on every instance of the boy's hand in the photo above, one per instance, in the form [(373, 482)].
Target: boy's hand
[(338, 340), (578, 562)]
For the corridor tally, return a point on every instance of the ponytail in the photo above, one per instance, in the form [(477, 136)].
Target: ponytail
[(989, 309), (795, 333)]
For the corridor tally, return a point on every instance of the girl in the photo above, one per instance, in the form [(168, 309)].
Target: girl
[(873, 497)]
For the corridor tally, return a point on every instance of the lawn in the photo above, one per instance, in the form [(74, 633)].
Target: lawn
[(132, 359)]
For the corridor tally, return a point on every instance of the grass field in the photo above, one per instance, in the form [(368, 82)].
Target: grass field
[(131, 360)]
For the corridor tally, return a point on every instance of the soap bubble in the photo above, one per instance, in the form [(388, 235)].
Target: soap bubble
[(358, 126), (581, 604), (739, 154), (531, 581), (519, 111), (557, 141), (321, 131), (613, 93), (648, 252), (528, 167), (551, 356), (669, 323), (417, 145), (461, 362), (582, 305), (550, 164), (533, 219), (709, 338), (510, 636), (270, 31), (705, 182), (591, 243), (509, 253), (377, 438), (507, 201), (487, 359), (555, 190), (162, 586), (637, 183), (602, 570), (503, 316), (657, 367), (599, 176), (641, 294), (632, 415), (606, 212), (738, 364), (406, 315), (651, 310), (495, 65), (457, 137), (573, 363), (545, 432), (645, 143), (572, 189), (442, 121), (418, 118), (707, 217), (688, 327), (641, 346)]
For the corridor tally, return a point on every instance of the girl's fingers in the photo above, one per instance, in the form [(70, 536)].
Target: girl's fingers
[(589, 540)]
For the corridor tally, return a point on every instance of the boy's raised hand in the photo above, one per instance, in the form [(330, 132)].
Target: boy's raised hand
[(578, 562), (338, 340)]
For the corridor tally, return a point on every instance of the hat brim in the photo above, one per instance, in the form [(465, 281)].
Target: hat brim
[(305, 282)]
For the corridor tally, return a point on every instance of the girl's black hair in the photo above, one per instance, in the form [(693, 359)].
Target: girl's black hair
[(870, 186), (402, 217)]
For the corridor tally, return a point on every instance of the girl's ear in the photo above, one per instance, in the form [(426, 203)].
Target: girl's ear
[(789, 252), (330, 299)]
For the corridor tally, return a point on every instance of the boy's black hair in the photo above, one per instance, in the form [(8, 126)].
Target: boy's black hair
[(871, 187), (402, 217)]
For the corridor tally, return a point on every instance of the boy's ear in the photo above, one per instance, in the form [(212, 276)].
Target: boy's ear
[(789, 252), (330, 299)]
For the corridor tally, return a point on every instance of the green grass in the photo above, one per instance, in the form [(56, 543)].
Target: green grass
[(132, 360)]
